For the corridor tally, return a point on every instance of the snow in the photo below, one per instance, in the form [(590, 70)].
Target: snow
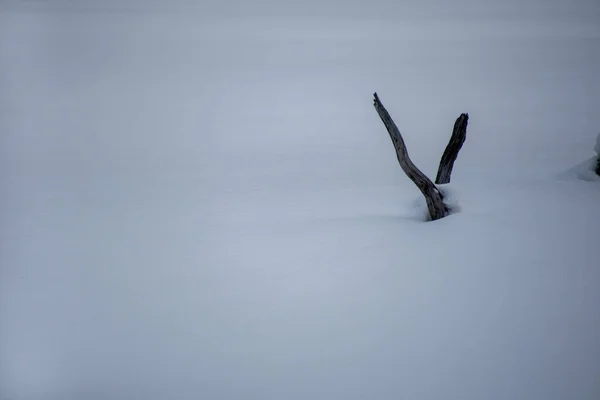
[(585, 171), (203, 203), (451, 199)]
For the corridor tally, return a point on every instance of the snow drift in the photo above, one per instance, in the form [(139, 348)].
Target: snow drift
[(205, 205)]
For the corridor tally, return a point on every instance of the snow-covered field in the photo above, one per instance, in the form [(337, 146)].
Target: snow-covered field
[(198, 203)]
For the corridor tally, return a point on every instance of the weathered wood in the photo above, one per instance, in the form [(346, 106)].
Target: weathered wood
[(597, 148), (435, 202), (459, 134)]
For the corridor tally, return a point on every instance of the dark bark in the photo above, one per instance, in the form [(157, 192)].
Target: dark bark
[(459, 134), (435, 203), (597, 148)]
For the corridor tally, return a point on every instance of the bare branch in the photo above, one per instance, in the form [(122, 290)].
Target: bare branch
[(435, 203), (459, 134)]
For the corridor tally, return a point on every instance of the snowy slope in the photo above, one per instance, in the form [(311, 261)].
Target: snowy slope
[(209, 207)]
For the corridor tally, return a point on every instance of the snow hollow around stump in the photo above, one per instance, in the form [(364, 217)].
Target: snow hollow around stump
[(585, 171), (419, 205)]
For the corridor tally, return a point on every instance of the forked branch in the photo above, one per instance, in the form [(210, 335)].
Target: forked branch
[(435, 203)]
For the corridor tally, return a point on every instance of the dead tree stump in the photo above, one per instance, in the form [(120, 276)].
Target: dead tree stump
[(597, 148), (434, 198)]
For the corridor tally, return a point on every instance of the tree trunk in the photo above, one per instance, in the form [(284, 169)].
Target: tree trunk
[(435, 203), (459, 134), (597, 148)]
